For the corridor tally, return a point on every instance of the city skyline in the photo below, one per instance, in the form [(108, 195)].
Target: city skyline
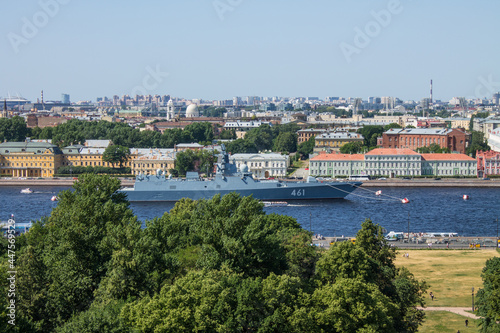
[(215, 50)]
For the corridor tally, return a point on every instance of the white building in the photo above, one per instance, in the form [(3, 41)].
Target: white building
[(494, 140), (392, 162), (263, 165)]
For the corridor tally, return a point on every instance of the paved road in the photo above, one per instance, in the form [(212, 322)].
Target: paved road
[(459, 311)]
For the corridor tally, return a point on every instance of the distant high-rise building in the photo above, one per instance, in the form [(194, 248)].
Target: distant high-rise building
[(425, 103), (65, 98), (496, 98)]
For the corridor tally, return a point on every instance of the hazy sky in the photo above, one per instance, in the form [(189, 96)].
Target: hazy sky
[(217, 49)]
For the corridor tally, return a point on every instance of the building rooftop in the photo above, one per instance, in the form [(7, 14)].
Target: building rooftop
[(28, 147), (419, 131), (392, 151), (271, 156), (338, 157), (340, 135), (447, 157), (97, 143)]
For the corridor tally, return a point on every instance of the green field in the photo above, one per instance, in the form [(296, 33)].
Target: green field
[(450, 274), (444, 322)]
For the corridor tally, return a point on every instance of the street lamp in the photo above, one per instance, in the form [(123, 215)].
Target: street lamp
[(408, 227)]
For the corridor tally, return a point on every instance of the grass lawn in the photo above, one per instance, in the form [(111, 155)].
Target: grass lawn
[(447, 322), (450, 274)]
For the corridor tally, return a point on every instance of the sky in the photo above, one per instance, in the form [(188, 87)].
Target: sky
[(218, 49)]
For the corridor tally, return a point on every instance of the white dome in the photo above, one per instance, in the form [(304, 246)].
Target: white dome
[(244, 168), (192, 111)]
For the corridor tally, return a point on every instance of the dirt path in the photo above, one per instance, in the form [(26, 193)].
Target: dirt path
[(459, 311)]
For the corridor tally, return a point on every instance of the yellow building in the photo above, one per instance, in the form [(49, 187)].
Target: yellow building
[(42, 159), (29, 159), (334, 140), (148, 161)]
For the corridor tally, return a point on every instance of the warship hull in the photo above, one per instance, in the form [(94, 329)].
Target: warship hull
[(174, 190)]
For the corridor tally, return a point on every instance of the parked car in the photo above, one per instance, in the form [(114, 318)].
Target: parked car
[(486, 178), (437, 178), (382, 178)]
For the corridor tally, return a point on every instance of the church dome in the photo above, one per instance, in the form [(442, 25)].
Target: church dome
[(192, 111)]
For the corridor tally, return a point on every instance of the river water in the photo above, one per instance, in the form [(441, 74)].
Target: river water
[(429, 210)]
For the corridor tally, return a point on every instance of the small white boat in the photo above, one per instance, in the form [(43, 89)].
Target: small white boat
[(275, 203), (27, 190), (54, 198)]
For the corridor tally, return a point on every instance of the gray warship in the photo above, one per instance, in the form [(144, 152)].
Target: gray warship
[(229, 179)]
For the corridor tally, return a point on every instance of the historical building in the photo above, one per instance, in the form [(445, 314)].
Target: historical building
[(391, 162), (305, 134), (149, 161), (335, 165), (457, 140), (448, 165), (263, 165), (29, 159), (488, 163), (335, 140)]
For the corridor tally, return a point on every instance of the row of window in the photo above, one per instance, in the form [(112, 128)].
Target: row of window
[(261, 164), (25, 164), (27, 157), (393, 158), (425, 142)]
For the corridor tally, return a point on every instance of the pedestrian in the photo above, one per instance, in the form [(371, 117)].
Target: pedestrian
[(447, 245), (466, 322), (432, 296)]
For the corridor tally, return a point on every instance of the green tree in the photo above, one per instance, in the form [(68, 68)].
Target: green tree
[(350, 305), (96, 320), (352, 148), (488, 297), (184, 161), (286, 142), (13, 129), (116, 154), (241, 146), (261, 137), (433, 148), (370, 133), (391, 125), (227, 134), (477, 143), (68, 254), (307, 147), (201, 131), (391, 281)]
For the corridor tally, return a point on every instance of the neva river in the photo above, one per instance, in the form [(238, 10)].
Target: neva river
[(429, 210)]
